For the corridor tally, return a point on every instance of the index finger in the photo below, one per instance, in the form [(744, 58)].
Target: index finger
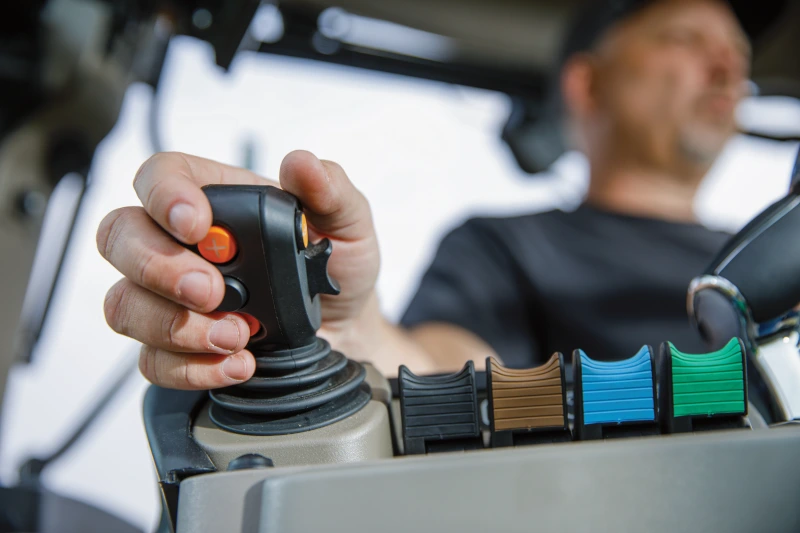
[(168, 185)]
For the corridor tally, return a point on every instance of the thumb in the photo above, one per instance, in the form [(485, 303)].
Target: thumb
[(334, 206)]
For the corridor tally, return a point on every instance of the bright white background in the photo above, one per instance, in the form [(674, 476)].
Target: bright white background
[(427, 156)]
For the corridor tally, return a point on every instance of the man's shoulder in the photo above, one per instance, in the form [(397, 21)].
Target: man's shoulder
[(599, 224)]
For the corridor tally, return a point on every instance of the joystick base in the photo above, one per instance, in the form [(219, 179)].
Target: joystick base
[(363, 435), (293, 390)]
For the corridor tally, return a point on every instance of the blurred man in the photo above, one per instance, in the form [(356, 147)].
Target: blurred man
[(649, 93), (651, 103)]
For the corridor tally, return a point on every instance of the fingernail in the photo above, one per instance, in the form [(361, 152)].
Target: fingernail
[(235, 367), (182, 218), (195, 287), (224, 335)]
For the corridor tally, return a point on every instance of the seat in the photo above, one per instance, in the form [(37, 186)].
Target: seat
[(703, 391), (439, 413), (527, 406), (615, 398)]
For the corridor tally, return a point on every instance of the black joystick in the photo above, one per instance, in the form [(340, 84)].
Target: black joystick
[(259, 242)]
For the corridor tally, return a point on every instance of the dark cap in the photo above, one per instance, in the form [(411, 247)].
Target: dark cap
[(598, 16), (593, 21)]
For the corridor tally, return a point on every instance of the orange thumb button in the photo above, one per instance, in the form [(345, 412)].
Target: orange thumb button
[(218, 246), (252, 322)]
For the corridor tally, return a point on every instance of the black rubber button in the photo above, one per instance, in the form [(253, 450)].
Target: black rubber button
[(235, 295), (250, 460)]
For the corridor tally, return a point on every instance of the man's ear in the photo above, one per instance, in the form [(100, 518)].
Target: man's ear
[(577, 91)]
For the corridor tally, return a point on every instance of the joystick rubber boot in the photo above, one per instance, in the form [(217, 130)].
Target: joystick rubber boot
[(275, 402)]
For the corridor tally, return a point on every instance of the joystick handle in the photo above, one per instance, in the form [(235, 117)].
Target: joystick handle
[(259, 242)]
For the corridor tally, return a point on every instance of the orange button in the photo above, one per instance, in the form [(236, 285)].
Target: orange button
[(304, 230), (252, 323), (218, 246)]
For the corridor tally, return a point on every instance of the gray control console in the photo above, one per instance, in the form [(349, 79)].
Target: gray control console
[(718, 481), (663, 441)]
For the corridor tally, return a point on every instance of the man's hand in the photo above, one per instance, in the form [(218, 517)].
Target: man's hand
[(167, 297)]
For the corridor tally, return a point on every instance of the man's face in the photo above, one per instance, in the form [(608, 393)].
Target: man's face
[(668, 80)]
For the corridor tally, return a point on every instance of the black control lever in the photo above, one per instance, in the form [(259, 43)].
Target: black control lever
[(763, 260), (259, 243), (761, 263), (752, 290), (794, 184)]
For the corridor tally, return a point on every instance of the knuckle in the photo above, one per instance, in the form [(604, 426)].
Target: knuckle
[(333, 166), (146, 272), (116, 306), (294, 162), (147, 363), (150, 165), (154, 192), (109, 231), (294, 156), (192, 377), (156, 167), (172, 326), (364, 202)]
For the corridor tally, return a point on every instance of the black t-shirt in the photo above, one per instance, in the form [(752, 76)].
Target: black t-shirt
[(535, 284)]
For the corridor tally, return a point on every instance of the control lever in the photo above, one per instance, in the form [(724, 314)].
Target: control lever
[(794, 183), (752, 290), (273, 276)]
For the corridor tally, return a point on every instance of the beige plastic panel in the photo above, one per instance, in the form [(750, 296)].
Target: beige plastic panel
[(362, 436), (381, 389)]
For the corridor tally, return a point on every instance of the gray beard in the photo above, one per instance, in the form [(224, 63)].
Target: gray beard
[(700, 147)]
